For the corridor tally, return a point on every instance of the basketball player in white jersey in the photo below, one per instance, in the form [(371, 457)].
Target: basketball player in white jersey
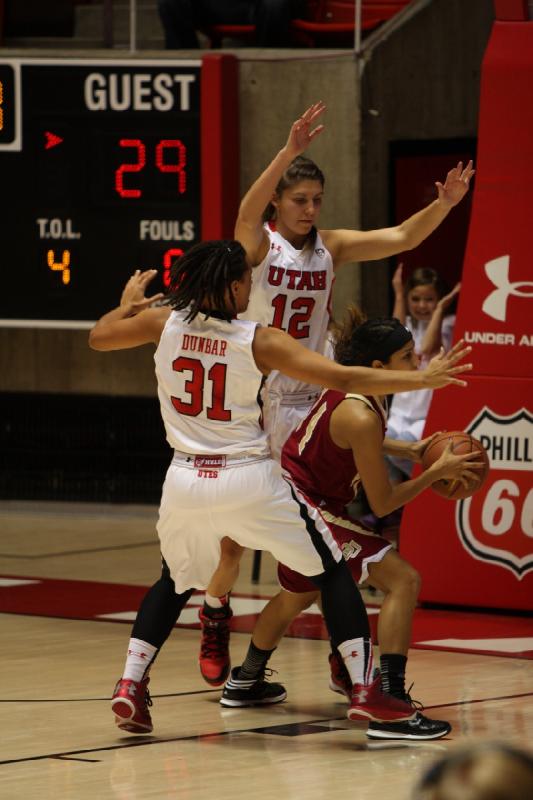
[(209, 369), (294, 268)]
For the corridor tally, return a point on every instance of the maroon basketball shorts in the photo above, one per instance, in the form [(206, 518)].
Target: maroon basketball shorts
[(359, 545)]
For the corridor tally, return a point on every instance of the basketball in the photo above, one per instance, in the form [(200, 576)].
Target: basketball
[(461, 443)]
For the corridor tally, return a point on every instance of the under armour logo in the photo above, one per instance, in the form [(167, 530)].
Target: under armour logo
[(361, 696), (497, 271), (139, 655)]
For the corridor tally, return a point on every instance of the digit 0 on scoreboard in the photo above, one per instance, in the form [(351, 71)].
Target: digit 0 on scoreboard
[(111, 166), (8, 107)]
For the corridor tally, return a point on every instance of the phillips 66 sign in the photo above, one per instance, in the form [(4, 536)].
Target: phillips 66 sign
[(496, 524)]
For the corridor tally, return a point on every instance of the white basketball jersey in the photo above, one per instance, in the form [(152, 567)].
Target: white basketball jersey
[(208, 386), (291, 290)]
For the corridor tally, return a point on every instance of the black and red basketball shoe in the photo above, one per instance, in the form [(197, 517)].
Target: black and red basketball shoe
[(214, 657), (420, 728), (243, 692), (130, 703), (370, 702), (339, 678)]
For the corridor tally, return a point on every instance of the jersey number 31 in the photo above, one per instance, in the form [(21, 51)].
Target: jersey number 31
[(195, 388)]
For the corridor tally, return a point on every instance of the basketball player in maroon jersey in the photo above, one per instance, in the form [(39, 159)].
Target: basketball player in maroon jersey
[(337, 448)]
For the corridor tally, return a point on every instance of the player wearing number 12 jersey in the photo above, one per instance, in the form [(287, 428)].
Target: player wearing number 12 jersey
[(294, 264), (291, 291)]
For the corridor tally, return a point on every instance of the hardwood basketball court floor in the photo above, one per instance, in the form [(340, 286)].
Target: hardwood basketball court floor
[(72, 576)]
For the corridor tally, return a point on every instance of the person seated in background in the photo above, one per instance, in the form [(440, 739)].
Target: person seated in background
[(182, 18), (482, 771)]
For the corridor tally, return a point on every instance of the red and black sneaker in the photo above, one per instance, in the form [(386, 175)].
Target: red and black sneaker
[(370, 702), (214, 657), (339, 679), (418, 729), (130, 703)]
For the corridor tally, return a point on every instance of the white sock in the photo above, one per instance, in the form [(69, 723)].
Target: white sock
[(140, 656), (216, 602), (359, 659)]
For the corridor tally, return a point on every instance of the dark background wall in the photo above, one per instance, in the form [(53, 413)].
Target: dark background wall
[(421, 84), (69, 413)]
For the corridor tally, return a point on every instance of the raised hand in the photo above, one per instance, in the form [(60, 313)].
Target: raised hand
[(302, 132), (455, 186), (443, 367), (445, 301), (133, 293), (397, 280)]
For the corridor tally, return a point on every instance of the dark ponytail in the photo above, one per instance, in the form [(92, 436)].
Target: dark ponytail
[(359, 342)]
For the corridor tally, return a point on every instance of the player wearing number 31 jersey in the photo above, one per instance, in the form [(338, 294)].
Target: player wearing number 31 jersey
[(209, 368), (192, 371)]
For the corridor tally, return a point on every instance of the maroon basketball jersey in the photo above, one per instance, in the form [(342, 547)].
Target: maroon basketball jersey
[(322, 470)]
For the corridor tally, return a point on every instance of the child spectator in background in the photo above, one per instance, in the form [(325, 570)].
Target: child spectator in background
[(422, 305)]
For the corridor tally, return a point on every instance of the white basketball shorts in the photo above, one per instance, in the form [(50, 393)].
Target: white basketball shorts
[(247, 500)]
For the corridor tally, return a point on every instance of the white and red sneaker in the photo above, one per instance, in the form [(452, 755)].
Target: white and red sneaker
[(370, 702), (130, 703), (214, 657), (339, 679)]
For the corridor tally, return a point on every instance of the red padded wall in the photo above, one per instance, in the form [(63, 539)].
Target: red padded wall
[(480, 552)]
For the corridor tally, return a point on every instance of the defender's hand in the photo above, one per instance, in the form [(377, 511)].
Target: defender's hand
[(456, 184), (302, 132), (443, 368), (133, 294)]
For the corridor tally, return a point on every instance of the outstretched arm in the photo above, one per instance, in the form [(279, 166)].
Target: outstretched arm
[(275, 349), (354, 425), (132, 323), (249, 226), (346, 246)]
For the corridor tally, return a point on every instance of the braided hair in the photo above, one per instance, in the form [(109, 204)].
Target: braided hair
[(358, 341), (300, 169), (200, 279)]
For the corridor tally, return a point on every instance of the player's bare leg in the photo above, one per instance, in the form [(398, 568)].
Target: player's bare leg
[(400, 583), (277, 615), (216, 614), (227, 572), (247, 685)]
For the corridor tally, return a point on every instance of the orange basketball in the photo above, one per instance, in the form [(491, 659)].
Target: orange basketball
[(461, 443)]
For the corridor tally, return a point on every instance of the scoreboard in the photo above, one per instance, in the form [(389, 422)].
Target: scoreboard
[(109, 166)]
